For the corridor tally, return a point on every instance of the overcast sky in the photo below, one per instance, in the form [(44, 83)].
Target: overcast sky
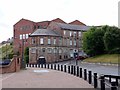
[(90, 12)]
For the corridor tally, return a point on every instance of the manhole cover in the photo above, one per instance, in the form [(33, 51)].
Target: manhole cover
[(40, 71)]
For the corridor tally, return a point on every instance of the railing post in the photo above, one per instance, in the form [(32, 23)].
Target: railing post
[(77, 70), (64, 68), (102, 81), (71, 69), (90, 77), (61, 67), (54, 66), (113, 86), (80, 72), (95, 80), (85, 74), (68, 69)]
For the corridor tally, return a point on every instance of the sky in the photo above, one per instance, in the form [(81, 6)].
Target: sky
[(90, 12)]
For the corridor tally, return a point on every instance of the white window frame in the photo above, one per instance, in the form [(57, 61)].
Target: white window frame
[(64, 32), (70, 33), (80, 34), (26, 36), (70, 42), (41, 40), (54, 41), (49, 41), (21, 36)]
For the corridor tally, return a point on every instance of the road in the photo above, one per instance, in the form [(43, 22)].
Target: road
[(97, 68)]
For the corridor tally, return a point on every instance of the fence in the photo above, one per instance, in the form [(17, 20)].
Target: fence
[(102, 82)]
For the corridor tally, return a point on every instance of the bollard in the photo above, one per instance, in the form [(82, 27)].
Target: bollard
[(45, 65), (90, 77), (102, 81), (77, 70), (80, 72), (32, 65), (41, 65), (54, 66), (58, 67), (29, 65), (51, 66), (48, 66), (113, 86), (74, 70), (68, 69), (71, 69), (64, 68), (117, 81), (85, 74), (36, 65), (95, 80), (61, 67)]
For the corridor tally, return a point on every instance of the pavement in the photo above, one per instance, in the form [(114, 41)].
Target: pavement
[(42, 78)]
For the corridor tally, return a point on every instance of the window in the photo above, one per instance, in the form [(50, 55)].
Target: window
[(55, 50), (20, 36), (33, 50), (64, 32), (23, 36), (43, 50), (75, 33), (49, 41), (49, 50), (60, 50), (33, 40), (74, 42), (70, 42), (41, 41), (54, 42), (70, 33), (26, 36), (60, 41), (80, 34)]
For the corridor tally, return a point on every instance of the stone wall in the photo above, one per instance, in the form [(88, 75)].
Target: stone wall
[(14, 66)]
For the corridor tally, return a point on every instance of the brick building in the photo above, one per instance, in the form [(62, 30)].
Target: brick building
[(56, 43), (23, 28), (55, 40)]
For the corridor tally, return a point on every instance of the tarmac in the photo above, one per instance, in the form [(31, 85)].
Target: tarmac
[(42, 78)]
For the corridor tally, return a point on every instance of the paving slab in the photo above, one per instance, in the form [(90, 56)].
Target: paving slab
[(42, 78)]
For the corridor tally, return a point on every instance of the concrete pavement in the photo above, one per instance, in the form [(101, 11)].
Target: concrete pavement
[(42, 78)]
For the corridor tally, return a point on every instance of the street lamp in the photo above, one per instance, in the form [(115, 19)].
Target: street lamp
[(23, 62)]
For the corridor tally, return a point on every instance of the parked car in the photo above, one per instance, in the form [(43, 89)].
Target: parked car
[(82, 56), (41, 60), (5, 62)]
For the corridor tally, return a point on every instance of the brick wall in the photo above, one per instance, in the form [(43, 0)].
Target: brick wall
[(14, 66)]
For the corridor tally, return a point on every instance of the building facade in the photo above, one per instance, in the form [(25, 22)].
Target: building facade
[(55, 40), (21, 31), (56, 43)]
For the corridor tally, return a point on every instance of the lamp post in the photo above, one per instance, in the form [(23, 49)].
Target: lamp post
[(23, 62)]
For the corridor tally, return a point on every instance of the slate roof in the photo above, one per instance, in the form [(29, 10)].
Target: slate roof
[(44, 32), (73, 27)]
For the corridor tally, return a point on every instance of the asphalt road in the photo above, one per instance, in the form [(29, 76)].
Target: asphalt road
[(95, 68)]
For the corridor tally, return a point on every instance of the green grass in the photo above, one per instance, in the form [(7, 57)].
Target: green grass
[(106, 58)]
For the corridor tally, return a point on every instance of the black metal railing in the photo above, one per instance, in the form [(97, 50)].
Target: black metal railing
[(103, 81)]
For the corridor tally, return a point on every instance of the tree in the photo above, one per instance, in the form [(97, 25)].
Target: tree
[(112, 40), (26, 54), (93, 43)]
